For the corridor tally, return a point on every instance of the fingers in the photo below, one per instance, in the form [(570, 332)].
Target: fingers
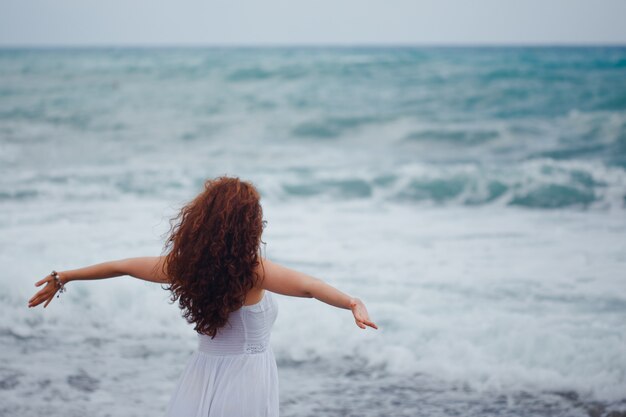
[(358, 323), (41, 281), (35, 302), (39, 294), (362, 322), (40, 297), (371, 324), (44, 294), (48, 302), (35, 296)]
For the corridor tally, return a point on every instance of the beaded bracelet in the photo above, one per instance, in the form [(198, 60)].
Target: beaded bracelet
[(58, 283)]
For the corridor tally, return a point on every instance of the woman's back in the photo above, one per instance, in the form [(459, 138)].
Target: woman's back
[(247, 331), (234, 374)]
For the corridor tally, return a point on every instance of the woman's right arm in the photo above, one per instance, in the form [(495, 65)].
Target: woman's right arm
[(148, 268)]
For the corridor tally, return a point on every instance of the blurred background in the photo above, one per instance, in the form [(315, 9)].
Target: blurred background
[(460, 167)]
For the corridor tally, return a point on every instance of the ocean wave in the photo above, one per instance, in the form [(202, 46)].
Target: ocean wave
[(335, 126), (464, 137), (534, 184), (538, 184)]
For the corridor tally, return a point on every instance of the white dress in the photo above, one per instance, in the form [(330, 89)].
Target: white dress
[(234, 374)]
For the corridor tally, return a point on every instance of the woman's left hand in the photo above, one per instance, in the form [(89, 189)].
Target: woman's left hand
[(361, 316), (46, 294)]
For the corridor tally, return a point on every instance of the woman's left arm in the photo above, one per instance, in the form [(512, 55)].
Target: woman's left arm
[(147, 268), (283, 280)]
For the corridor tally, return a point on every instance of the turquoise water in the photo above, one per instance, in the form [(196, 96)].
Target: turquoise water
[(473, 197), (531, 127)]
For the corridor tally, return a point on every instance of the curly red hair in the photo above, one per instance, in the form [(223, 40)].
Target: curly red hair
[(214, 252)]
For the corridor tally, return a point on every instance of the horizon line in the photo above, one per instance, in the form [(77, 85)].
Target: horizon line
[(262, 45)]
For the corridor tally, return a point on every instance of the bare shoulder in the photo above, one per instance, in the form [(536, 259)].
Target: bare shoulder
[(283, 280), (267, 269), (264, 263)]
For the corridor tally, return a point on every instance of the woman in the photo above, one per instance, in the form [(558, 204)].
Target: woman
[(224, 287)]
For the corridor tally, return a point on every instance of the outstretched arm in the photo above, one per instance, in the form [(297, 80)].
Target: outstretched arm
[(283, 280), (148, 268)]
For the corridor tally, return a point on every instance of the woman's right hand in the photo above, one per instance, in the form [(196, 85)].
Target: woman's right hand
[(361, 316), (46, 294)]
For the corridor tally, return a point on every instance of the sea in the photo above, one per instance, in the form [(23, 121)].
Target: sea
[(473, 197)]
